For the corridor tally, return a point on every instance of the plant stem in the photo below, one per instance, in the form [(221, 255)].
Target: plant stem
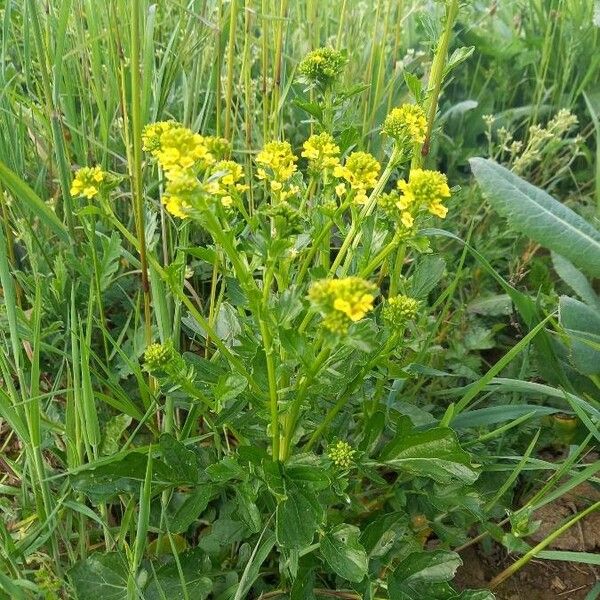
[(436, 79), (136, 173), (510, 571)]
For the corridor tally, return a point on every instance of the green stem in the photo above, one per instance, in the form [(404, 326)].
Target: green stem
[(436, 79), (539, 547), (354, 235), (136, 174), (292, 416), (337, 407)]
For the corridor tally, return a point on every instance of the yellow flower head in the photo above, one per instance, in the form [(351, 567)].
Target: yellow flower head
[(406, 124), (322, 152), (277, 163), (342, 301), (180, 192), (361, 171), (400, 309), (424, 190), (219, 147), (226, 181), (88, 182), (322, 65), (176, 148), (152, 133), (158, 356), (341, 454)]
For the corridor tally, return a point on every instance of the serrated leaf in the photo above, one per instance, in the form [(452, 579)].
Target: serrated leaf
[(535, 213)]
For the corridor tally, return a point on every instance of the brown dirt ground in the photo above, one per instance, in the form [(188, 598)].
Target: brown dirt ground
[(543, 579)]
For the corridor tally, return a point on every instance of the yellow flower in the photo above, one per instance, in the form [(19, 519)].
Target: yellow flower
[(179, 194), (424, 190), (322, 65), (219, 147), (322, 152), (400, 309), (228, 176), (180, 150), (88, 182), (152, 133), (361, 171), (342, 301), (406, 124), (277, 162)]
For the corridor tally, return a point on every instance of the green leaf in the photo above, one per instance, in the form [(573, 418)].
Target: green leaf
[(100, 576), (582, 324), (420, 569), (298, 516), (192, 508), (535, 213), (576, 280), (344, 553), (428, 272), (182, 462), (167, 582), (433, 453), (24, 194)]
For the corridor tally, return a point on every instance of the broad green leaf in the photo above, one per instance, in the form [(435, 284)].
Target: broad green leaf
[(167, 582), (483, 417), (420, 569), (428, 272), (25, 195), (582, 324), (182, 461), (344, 553), (100, 576), (535, 213), (298, 516), (433, 453)]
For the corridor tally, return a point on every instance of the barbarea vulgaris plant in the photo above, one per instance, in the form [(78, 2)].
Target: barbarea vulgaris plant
[(310, 310)]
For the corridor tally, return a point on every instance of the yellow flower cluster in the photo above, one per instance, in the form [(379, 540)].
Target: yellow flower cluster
[(183, 155), (180, 191), (423, 192), (88, 182), (277, 164), (322, 65), (400, 309), (406, 124), (226, 176), (179, 150), (341, 454), (322, 152), (424, 189), (152, 134), (342, 301), (158, 356), (361, 171)]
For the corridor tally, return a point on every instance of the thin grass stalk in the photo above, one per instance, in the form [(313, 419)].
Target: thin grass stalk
[(136, 173)]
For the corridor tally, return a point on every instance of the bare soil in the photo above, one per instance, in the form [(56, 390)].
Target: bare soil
[(543, 579)]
